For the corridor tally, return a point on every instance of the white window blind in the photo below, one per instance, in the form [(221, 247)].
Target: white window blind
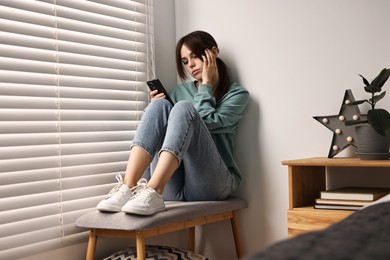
[(72, 91)]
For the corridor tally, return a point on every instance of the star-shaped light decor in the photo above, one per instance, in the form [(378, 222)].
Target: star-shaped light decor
[(343, 136)]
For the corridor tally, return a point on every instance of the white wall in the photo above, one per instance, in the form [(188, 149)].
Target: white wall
[(296, 58)]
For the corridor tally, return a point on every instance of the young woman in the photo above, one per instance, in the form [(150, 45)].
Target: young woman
[(190, 143)]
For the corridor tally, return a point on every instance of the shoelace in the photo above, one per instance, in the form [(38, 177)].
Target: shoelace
[(144, 196), (119, 178), (141, 184)]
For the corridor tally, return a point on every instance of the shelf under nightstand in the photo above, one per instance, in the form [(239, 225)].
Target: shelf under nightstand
[(306, 178)]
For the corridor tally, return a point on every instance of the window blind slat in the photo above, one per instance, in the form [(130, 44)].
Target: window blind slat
[(131, 52), (135, 82), (23, 77), (92, 126), (30, 188), (18, 201), (73, 114), (132, 33), (22, 214), (97, 72), (94, 158), (89, 148), (31, 6), (26, 55), (98, 19), (28, 102), (28, 164), (72, 92), (97, 136), (110, 94), (26, 29), (94, 115), (137, 10), (17, 152), (9, 177), (11, 89), (22, 40), (101, 104), (13, 127), (86, 77), (39, 16), (38, 235), (106, 170), (39, 247), (51, 127), (103, 62), (103, 171), (23, 115), (23, 164), (98, 40), (28, 66)]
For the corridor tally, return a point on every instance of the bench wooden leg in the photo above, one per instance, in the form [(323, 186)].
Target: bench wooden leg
[(140, 241), (191, 239), (236, 235), (91, 245)]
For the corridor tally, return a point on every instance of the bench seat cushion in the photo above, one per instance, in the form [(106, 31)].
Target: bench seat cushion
[(176, 211)]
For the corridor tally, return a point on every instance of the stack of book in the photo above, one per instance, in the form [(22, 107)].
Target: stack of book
[(349, 198)]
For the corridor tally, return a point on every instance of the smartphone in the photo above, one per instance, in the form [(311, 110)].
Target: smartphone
[(156, 84)]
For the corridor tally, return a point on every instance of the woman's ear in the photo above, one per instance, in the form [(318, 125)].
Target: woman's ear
[(215, 51)]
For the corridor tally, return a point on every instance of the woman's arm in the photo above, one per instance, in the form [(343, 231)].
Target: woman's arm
[(221, 116)]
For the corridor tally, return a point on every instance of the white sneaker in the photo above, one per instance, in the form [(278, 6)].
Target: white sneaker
[(145, 202), (119, 195)]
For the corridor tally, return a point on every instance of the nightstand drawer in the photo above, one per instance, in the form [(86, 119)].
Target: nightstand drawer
[(305, 219)]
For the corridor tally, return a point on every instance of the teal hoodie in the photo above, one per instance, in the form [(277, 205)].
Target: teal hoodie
[(221, 118)]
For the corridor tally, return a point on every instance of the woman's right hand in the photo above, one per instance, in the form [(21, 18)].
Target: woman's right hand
[(210, 70), (153, 95)]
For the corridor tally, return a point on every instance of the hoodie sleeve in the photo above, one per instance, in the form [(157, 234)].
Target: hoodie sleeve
[(224, 115)]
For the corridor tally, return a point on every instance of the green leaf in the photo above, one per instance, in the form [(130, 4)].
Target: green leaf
[(372, 89), (379, 119), (378, 97), (365, 81), (381, 79)]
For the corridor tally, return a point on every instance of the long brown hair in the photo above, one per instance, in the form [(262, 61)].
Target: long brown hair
[(198, 42)]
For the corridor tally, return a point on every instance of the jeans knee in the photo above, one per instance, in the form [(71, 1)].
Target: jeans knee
[(159, 107), (184, 106), (160, 103)]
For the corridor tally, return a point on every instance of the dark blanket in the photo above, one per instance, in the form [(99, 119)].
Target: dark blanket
[(363, 235)]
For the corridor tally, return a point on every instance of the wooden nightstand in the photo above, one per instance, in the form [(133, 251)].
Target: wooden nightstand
[(306, 178)]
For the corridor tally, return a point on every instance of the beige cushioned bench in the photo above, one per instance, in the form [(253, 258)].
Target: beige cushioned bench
[(177, 216)]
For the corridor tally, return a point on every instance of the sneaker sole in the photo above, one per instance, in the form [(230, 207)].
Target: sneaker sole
[(144, 212), (108, 209)]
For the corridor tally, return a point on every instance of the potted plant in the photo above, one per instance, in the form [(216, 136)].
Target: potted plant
[(378, 120)]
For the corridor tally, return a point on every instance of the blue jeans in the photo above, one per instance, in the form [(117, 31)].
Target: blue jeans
[(202, 174)]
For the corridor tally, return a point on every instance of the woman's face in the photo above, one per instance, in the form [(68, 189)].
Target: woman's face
[(192, 64)]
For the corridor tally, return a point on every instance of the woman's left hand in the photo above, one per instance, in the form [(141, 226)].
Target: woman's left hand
[(155, 95), (210, 70)]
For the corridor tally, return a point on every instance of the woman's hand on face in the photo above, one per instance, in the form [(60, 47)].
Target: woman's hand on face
[(210, 71), (153, 95)]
